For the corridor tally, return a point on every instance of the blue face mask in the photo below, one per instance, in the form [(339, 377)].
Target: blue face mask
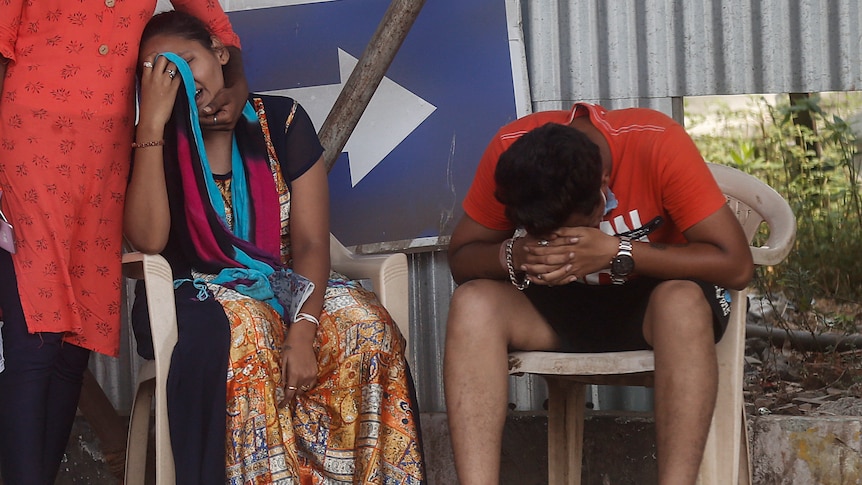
[(610, 201)]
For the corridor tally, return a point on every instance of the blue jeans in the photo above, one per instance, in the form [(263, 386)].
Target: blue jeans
[(39, 392)]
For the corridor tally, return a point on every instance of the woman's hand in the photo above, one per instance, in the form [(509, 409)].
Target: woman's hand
[(159, 86), (298, 360), (147, 217)]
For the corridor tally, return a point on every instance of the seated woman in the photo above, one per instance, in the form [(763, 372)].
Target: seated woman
[(258, 392)]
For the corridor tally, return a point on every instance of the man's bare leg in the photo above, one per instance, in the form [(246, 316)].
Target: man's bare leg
[(678, 324), (486, 318)]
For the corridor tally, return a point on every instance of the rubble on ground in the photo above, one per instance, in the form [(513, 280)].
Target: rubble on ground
[(788, 377)]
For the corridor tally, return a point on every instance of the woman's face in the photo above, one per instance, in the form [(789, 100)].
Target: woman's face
[(205, 62)]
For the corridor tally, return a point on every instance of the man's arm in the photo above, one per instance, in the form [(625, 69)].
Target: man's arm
[(717, 251), (475, 252)]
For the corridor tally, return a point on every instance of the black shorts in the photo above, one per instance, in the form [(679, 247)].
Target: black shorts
[(609, 318)]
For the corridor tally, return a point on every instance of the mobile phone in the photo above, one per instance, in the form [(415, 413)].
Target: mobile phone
[(644, 230)]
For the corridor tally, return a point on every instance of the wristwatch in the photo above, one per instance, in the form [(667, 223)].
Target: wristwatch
[(623, 263)]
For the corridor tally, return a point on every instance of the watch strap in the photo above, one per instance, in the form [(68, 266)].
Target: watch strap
[(624, 251)]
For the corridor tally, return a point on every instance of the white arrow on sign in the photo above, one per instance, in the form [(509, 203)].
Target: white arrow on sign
[(392, 114)]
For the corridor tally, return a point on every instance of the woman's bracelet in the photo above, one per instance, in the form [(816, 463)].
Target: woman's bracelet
[(524, 282), (154, 143), (308, 318)]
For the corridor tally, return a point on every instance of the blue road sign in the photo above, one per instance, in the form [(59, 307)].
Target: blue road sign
[(408, 164)]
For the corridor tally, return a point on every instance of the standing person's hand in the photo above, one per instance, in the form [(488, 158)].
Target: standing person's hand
[(224, 110)]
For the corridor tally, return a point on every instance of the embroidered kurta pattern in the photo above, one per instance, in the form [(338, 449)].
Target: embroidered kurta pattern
[(66, 124)]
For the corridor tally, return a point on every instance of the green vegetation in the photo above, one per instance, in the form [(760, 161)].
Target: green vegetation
[(815, 172)]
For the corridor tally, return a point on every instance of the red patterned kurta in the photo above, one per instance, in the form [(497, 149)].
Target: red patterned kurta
[(66, 125)]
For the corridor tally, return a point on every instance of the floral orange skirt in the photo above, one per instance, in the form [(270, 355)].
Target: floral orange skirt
[(358, 425)]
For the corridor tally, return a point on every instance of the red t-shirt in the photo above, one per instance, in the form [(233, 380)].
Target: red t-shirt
[(657, 171)]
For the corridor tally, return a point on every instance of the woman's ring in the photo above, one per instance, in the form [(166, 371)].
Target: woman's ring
[(291, 388), (148, 64), (304, 388), (543, 243), (171, 73), (215, 120)]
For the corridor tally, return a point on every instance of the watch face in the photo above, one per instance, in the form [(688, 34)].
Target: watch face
[(622, 265)]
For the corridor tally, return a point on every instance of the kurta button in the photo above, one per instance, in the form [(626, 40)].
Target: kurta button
[(110, 3), (103, 49)]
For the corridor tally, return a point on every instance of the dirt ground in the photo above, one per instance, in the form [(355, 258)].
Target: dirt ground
[(803, 373)]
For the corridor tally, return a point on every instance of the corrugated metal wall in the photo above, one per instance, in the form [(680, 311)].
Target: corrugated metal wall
[(636, 52), (623, 53)]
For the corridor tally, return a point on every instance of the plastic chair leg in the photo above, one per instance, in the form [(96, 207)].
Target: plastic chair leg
[(566, 405), (139, 433)]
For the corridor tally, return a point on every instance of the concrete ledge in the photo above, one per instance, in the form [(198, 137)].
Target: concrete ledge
[(815, 450), (619, 449)]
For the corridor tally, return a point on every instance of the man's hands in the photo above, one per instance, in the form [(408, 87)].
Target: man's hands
[(568, 254)]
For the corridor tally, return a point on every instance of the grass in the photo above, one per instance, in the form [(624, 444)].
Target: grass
[(814, 166)]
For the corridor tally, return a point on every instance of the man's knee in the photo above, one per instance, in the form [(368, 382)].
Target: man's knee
[(678, 304), (675, 295), (474, 297), (475, 307)]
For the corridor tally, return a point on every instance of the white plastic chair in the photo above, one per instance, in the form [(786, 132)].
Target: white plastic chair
[(726, 457), (388, 275)]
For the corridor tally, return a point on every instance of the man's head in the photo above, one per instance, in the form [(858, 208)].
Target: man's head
[(549, 178)]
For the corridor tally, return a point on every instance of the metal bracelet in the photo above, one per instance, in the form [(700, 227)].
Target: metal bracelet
[(154, 143), (308, 318), (510, 266)]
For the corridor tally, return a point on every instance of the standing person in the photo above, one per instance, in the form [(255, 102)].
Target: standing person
[(628, 244), (67, 77), (258, 393)]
